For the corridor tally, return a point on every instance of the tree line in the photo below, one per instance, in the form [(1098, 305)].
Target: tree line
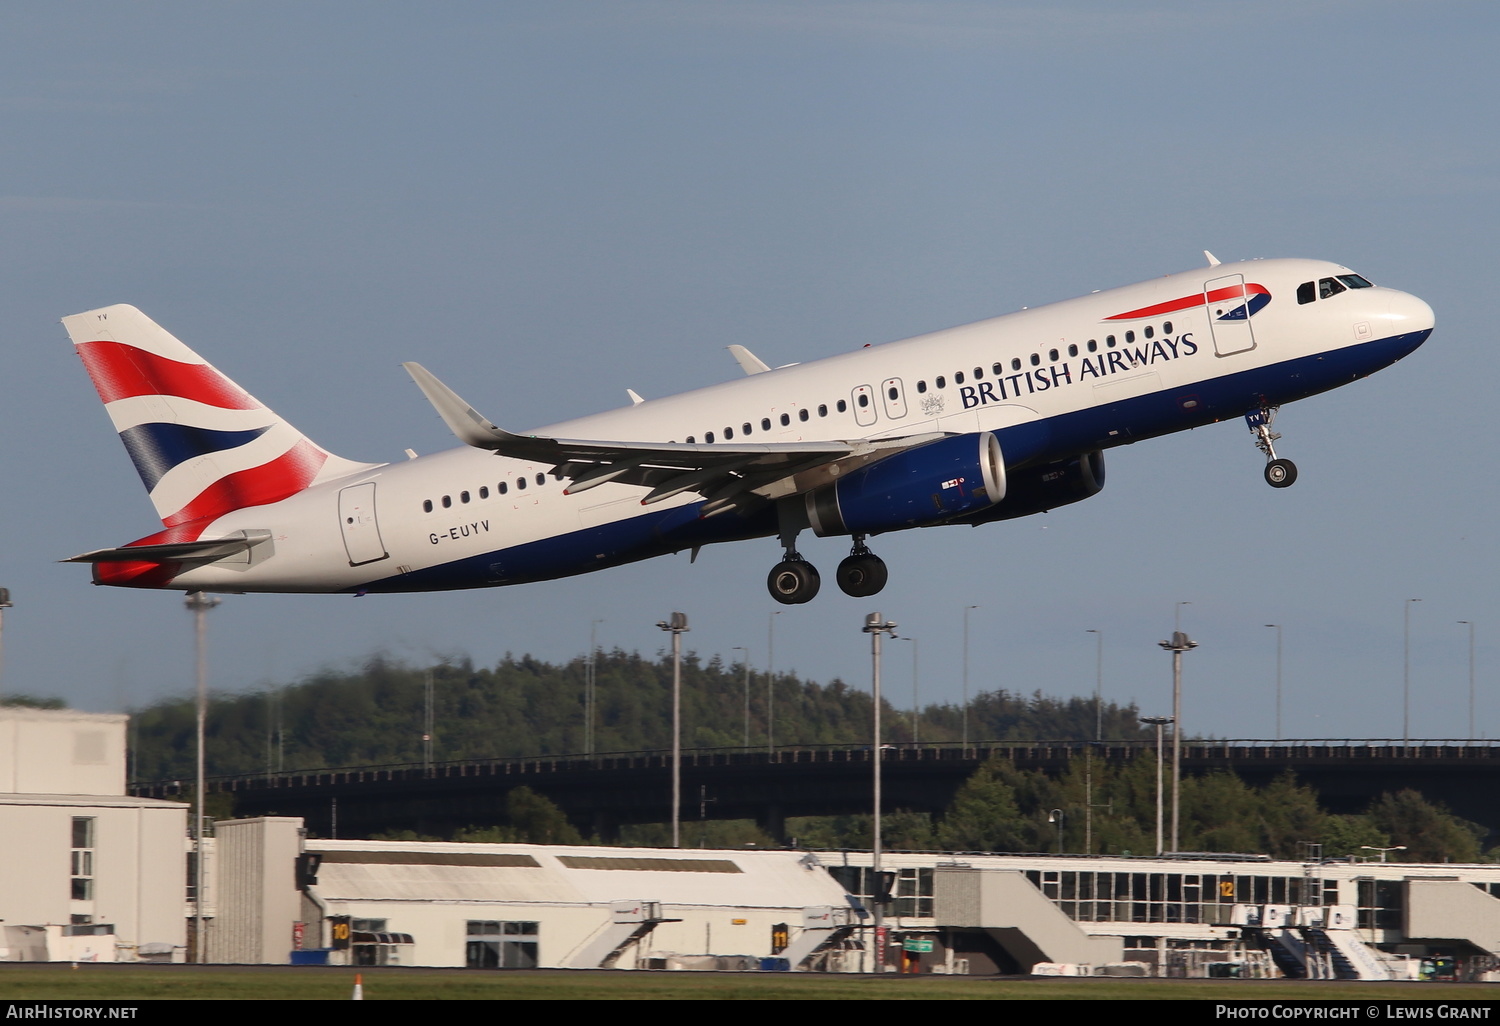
[(522, 707)]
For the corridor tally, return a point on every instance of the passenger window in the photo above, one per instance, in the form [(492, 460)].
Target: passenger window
[(864, 399), (822, 409), (1072, 350), (1329, 287), (1150, 331), (1109, 340), (1306, 293), (802, 414), (941, 382), (997, 368), (541, 479), (502, 488), (921, 386), (843, 405), (978, 373), (484, 491), (1166, 327), (447, 501), (1052, 355), (463, 496), (708, 436), (728, 433), (1093, 345), (1036, 359), (690, 440), (1015, 363), (958, 377), (765, 423), (1129, 337), (893, 393), (521, 483), (745, 428), (426, 505), (785, 420)]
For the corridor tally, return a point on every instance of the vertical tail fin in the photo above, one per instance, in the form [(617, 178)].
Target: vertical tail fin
[(202, 444)]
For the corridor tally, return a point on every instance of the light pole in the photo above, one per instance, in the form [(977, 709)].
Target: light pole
[(1278, 678), (591, 688), (1406, 675), (916, 714), (199, 604), (1158, 722), (966, 681), (676, 626), (742, 648), (1179, 644), (1471, 677), (1056, 816), (5, 603), (1088, 763), (875, 626), (771, 682)]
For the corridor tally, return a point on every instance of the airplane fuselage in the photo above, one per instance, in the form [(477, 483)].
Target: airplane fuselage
[(1052, 383)]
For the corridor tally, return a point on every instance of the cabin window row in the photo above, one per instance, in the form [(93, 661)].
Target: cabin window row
[(446, 502), (804, 414), (1053, 355)]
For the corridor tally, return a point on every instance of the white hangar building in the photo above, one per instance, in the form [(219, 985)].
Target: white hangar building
[(89, 873)]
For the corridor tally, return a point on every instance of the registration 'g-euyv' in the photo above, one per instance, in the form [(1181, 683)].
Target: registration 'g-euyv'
[(994, 420)]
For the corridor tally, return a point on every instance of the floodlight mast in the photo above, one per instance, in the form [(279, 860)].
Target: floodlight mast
[(677, 626)]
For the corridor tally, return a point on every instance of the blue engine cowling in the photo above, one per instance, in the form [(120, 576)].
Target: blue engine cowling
[(1040, 488), (931, 484)]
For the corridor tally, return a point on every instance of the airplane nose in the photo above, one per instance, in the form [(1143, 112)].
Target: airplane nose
[(1408, 314)]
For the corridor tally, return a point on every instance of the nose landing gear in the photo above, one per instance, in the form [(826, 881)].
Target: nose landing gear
[(1280, 473)]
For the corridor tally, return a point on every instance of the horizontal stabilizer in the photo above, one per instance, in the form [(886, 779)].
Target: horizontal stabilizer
[(175, 552)]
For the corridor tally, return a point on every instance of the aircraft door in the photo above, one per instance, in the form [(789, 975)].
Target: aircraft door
[(357, 522), (894, 398), (1228, 305), (863, 398)]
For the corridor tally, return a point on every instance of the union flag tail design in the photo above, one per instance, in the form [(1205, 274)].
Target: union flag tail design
[(202, 444)]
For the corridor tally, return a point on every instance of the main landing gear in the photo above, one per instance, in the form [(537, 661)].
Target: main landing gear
[(794, 580), (1280, 473)]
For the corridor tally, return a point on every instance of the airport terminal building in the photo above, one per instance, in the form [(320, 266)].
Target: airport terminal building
[(91, 873), (517, 905)]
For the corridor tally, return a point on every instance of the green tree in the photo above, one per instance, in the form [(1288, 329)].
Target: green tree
[(1428, 830), (984, 815)]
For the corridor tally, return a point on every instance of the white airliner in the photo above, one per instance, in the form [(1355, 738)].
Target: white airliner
[(988, 421)]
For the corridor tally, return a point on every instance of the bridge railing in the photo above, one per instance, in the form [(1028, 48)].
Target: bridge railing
[(1238, 750)]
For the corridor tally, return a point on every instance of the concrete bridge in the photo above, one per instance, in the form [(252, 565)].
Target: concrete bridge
[(601, 792)]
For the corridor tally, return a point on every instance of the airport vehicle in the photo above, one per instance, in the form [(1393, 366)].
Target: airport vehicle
[(993, 420)]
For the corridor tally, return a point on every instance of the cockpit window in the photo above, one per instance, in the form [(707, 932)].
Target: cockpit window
[(1330, 287), (1306, 293), (1354, 281)]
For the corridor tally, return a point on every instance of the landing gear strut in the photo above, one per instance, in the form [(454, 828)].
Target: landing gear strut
[(862, 573), (1280, 473), (794, 580)]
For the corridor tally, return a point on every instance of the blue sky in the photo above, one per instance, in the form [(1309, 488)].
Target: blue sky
[(547, 203)]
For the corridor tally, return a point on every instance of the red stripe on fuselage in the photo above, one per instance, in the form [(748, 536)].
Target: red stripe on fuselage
[(120, 372), (286, 475), (1196, 299)]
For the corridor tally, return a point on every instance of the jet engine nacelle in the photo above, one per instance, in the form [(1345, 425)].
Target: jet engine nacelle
[(1038, 489), (931, 484)]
